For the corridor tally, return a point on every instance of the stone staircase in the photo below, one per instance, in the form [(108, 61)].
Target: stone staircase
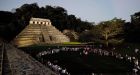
[(55, 35), (40, 33), (17, 62)]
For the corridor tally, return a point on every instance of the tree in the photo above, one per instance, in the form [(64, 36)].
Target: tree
[(9, 26), (58, 16), (111, 30), (133, 28)]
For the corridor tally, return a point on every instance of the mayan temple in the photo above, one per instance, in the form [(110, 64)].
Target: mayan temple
[(40, 31)]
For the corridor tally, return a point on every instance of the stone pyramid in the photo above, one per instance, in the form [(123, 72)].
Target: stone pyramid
[(40, 31)]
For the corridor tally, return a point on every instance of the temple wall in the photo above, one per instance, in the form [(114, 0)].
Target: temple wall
[(40, 30)]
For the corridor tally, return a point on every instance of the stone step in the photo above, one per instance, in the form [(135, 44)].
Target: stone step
[(37, 31)]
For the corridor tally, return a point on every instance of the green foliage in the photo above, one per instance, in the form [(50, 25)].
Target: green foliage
[(111, 28), (112, 31), (106, 32), (7, 24), (58, 15), (87, 36), (18, 20), (132, 29)]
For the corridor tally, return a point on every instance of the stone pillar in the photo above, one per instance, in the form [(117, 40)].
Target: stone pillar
[(39, 22), (49, 23), (31, 22), (46, 23), (35, 22), (43, 23)]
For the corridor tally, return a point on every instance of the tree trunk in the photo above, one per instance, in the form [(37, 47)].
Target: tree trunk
[(106, 43), (106, 39)]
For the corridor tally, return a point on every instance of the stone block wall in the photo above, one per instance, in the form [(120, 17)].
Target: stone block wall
[(40, 30)]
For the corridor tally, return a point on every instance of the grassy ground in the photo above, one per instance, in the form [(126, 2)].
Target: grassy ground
[(71, 43)]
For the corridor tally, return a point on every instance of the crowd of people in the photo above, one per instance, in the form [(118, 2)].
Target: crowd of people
[(99, 51), (132, 59), (57, 68)]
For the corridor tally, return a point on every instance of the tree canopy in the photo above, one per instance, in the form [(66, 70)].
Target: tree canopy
[(58, 16), (111, 31), (132, 29)]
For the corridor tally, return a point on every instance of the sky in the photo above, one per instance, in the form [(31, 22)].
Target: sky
[(89, 10)]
